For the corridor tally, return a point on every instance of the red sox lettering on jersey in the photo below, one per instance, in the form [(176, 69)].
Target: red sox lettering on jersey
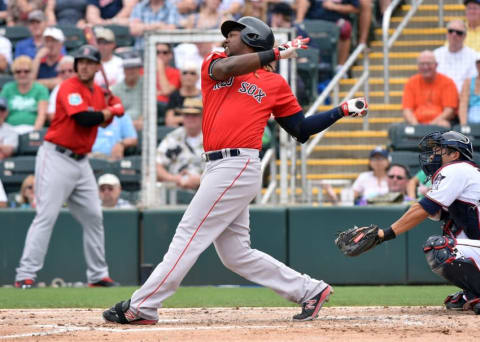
[(251, 89)]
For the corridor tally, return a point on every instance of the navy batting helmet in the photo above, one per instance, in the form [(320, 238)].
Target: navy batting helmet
[(431, 160), (254, 32), (89, 52)]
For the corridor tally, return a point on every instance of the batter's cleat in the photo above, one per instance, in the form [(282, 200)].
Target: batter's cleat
[(105, 282), (25, 284), (455, 301), (311, 307), (121, 313)]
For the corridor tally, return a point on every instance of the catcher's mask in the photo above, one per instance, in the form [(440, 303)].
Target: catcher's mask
[(434, 145)]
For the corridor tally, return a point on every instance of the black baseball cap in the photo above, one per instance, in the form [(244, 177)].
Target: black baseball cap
[(283, 9)]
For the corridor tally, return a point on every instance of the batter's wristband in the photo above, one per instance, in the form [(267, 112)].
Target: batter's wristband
[(266, 57), (388, 234)]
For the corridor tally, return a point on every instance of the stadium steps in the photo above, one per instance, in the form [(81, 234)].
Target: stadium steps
[(344, 149)]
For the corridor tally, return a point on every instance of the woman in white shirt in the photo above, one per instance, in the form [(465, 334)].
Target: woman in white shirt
[(374, 182)]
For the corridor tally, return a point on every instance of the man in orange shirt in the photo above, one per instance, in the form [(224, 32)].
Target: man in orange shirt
[(429, 97)]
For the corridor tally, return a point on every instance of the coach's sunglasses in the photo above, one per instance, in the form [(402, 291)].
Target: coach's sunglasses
[(457, 32)]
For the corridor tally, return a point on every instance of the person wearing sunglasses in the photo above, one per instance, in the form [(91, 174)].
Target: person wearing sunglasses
[(398, 176), (27, 99), (456, 60), (65, 71), (26, 198), (189, 76), (168, 77)]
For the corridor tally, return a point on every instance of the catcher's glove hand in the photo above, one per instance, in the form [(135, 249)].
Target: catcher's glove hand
[(355, 241)]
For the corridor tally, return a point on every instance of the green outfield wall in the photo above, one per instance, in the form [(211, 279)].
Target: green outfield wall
[(300, 236)]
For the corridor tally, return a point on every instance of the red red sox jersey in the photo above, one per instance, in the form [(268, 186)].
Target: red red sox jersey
[(75, 97), (236, 110)]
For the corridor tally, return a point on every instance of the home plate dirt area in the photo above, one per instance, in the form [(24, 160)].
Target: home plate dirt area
[(245, 324)]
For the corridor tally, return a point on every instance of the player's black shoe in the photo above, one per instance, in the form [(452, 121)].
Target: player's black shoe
[(121, 313), (105, 282), (311, 307), (455, 301), (25, 284)]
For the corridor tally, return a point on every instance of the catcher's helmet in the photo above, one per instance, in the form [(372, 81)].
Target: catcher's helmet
[(87, 52), (430, 160), (254, 32)]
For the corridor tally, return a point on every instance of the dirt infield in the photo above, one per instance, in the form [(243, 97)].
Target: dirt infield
[(245, 324)]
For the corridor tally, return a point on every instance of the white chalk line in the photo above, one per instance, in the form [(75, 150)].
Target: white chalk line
[(64, 329)]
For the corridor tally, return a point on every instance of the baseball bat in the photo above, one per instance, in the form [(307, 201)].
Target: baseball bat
[(92, 40)]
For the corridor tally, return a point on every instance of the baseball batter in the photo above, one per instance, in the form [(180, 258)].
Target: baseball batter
[(239, 93), (454, 198), (63, 173)]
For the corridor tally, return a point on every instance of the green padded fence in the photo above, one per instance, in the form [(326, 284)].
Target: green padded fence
[(65, 254), (268, 234)]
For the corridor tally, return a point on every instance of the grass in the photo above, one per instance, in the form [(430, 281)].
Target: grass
[(11, 298)]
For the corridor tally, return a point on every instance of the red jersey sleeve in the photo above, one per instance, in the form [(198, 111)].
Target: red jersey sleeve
[(206, 65), (286, 103), (71, 99)]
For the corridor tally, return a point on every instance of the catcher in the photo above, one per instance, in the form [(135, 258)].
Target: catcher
[(454, 198)]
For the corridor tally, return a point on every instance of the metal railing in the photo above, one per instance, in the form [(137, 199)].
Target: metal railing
[(306, 150)]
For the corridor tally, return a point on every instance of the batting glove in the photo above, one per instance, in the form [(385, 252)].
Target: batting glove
[(117, 109), (355, 107), (113, 100), (288, 50)]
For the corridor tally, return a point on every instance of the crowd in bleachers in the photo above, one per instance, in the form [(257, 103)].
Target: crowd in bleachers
[(41, 36)]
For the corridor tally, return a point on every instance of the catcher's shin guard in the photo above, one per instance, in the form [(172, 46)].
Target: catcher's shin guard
[(460, 271)]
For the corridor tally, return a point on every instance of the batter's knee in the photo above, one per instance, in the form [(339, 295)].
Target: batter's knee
[(439, 251)]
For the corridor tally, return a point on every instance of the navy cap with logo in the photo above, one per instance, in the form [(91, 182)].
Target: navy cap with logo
[(379, 150), (3, 103)]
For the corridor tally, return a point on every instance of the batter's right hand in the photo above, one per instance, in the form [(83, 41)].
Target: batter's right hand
[(355, 107), (288, 50), (113, 100)]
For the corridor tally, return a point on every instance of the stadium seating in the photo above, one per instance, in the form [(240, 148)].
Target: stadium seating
[(161, 110), (406, 158), (129, 171), (162, 131), (28, 143), (100, 166), (472, 131), (307, 67), (16, 33), (5, 79), (405, 137), (74, 37), (14, 170), (325, 35)]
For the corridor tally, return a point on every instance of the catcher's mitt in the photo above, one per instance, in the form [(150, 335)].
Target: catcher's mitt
[(355, 241)]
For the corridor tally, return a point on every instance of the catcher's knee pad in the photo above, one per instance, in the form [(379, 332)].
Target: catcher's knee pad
[(439, 250)]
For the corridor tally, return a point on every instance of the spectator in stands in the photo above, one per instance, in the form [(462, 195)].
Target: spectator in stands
[(66, 12), (335, 11), (418, 185), (130, 90), (168, 77), (189, 77), (112, 140), (27, 100), (232, 8), (37, 25), (364, 20), (186, 7), (257, 9), (110, 190), (5, 54), (46, 60), (398, 176), (3, 12), (179, 155), (65, 71), (8, 136), (472, 14), (3, 196), (469, 107), (151, 15), (282, 17), (456, 60), (18, 11), (209, 17), (429, 97), (374, 182), (26, 198), (113, 65), (109, 12)]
